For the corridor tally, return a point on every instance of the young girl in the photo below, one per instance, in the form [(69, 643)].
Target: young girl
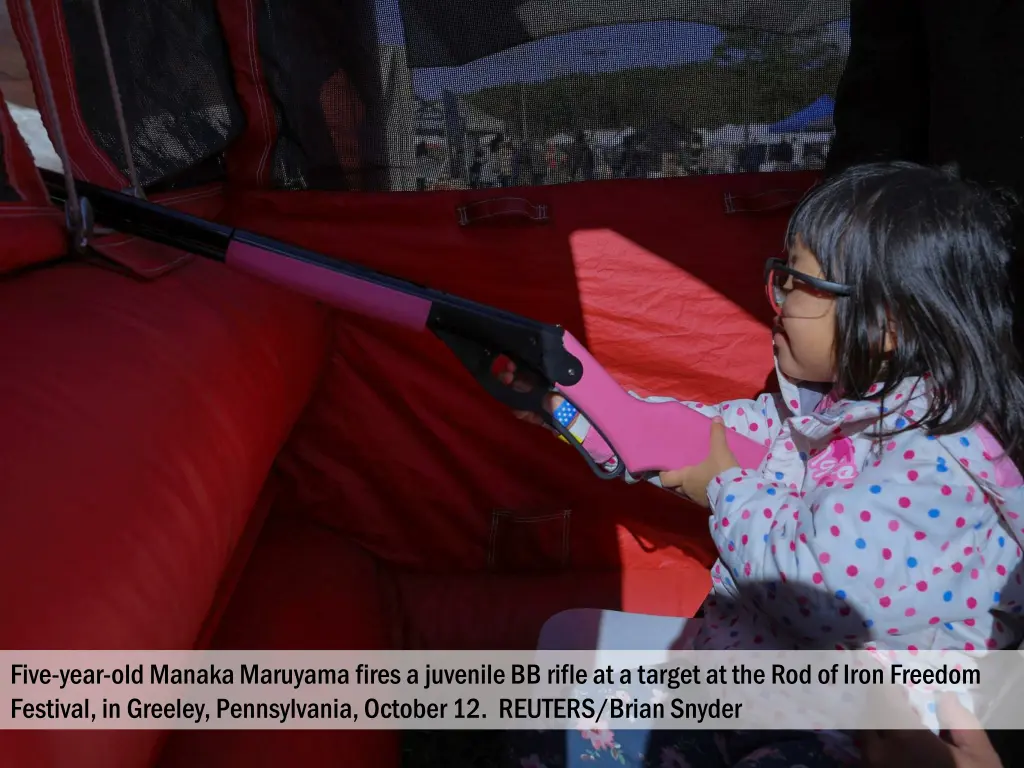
[(888, 514)]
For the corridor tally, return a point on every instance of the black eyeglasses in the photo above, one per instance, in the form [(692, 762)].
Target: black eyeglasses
[(777, 273)]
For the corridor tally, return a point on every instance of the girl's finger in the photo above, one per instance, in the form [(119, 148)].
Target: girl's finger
[(675, 478)]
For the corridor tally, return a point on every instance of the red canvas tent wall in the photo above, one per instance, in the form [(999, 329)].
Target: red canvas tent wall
[(192, 458)]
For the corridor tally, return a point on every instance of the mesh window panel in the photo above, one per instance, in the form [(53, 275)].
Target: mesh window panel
[(321, 61), (7, 193), (551, 92), (174, 77), (459, 93)]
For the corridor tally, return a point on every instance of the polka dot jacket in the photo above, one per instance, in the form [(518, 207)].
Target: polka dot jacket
[(848, 538)]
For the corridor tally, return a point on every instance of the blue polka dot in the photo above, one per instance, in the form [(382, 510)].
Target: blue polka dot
[(995, 597), (933, 513), (765, 537), (779, 475), (942, 467), (977, 526), (732, 543), (911, 562), (947, 596), (875, 489), (771, 491), (901, 423), (931, 437), (869, 623), (947, 625), (840, 594), (860, 543), (803, 456), (1002, 542), (730, 497), (964, 441), (931, 706)]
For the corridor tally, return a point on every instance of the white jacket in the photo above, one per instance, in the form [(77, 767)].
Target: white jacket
[(844, 539)]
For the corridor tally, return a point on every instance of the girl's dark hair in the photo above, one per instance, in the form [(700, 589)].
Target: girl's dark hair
[(926, 256)]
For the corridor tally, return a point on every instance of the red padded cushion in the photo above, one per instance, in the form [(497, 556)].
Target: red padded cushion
[(140, 421), (304, 587)]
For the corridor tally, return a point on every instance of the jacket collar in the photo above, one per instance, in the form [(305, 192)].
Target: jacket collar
[(868, 416)]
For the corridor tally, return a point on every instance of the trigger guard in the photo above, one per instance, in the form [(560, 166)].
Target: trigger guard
[(596, 468)]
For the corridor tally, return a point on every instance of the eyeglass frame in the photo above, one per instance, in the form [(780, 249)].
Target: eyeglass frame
[(776, 264)]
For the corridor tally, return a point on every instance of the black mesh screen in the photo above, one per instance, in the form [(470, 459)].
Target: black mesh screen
[(320, 60), (174, 77), (7, 193), (460, 94)]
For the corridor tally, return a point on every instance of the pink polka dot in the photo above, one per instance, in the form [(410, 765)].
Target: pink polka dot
[(851, 570), (879, 582), (991, 642), (886, 554), (894, 631), (904, 502), (922, 586), (909, 612), (885, 602), (739, 411), (795, 405), (839, 508), (974, 573), (960, 522), (768, 514), (753, 427), (946, 490), (746, 514), (834, 530), (908, 455), (919, 535), (934, 620), (972, 603), (970, 622), (1001, 570), (957, 567), (817, 578), (912, 475), (894, 525), (865, 515), (725, 522), (968, 646), (825, 557), (891, 446), (790, 446)]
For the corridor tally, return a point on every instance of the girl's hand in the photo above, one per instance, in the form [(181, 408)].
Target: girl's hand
[(692, 482), (967, 745), (520, 384)]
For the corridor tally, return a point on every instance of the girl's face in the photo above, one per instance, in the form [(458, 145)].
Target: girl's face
[(804, 334)]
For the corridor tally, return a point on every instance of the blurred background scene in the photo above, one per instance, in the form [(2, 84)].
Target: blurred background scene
[(465, 95)]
